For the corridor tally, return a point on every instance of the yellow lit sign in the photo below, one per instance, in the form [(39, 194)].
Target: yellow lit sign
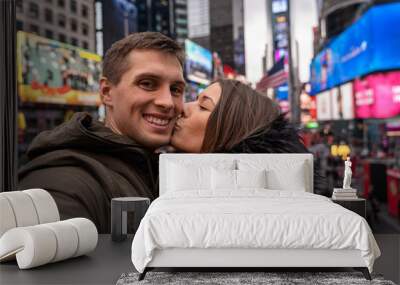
[(281, 19), (342, 150)]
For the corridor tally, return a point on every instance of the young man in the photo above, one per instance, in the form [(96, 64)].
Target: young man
[(84, 163)]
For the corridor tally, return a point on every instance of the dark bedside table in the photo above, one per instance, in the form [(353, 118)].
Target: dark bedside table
[(356, 205), (119, 214)]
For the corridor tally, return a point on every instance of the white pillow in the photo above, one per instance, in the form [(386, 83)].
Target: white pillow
[(279, 180), (228, 179), (281, 174), (182, 177), (251, 178), (223, 179)]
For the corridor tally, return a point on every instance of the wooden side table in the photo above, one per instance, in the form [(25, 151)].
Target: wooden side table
[(356, 205)]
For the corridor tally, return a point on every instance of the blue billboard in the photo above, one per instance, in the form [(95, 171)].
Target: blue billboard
[(198, 63), (282, 92), (371, 44)]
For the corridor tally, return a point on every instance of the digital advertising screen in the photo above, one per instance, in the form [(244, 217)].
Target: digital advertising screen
[(282, 92), (280, 28), (336, 103), (324, 108), (393, 127), (279, 6), (53, 72), (284, 106), (347, 100), (308, 108), (342, 102), (198, 63), (378, 95), (371, 44)]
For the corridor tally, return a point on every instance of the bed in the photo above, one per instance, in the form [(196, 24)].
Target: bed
[(246, 211)]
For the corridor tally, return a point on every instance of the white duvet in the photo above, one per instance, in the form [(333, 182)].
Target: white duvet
[(252, 218)]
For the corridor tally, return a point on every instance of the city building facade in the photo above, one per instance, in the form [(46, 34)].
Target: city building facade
[(167, 17), (180, 20), (67, 21), (115, 19), (199, 22)]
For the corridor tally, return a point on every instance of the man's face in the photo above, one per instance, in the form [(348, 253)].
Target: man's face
[(145, 103)]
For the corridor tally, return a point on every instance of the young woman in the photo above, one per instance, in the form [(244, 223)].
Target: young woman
[(231, 117)]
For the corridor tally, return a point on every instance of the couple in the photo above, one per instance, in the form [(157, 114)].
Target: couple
[(83, 163)]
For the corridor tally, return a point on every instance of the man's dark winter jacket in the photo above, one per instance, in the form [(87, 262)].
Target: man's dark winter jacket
[(83, 164), (281, 137)]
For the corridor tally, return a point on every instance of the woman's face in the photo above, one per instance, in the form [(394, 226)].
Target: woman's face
[(190, 129)]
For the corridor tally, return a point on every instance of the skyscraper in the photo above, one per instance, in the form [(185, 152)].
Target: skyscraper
[(115, 19), (199, 22), (180, 20), (167, 17), (227, 32)]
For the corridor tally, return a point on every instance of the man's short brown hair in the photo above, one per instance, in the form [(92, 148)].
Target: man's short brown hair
[(115, 63)]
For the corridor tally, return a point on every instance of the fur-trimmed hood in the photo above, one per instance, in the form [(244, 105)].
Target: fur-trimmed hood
[(281, 137)]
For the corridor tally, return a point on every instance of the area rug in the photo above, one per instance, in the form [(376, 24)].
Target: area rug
[(242, 278)]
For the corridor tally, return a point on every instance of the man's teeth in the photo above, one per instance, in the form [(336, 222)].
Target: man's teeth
[(157, 121)]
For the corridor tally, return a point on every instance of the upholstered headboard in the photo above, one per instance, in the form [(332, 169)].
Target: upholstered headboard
[(296, 169)]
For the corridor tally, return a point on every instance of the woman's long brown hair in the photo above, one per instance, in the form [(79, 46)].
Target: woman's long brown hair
[(240, 113)]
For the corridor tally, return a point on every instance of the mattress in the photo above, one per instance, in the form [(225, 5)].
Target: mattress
[(250, 218)]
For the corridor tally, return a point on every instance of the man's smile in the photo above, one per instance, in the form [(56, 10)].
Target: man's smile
[(158, 120)]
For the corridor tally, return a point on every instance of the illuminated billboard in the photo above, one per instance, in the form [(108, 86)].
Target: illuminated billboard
[(324, 106), (378, 95), (336, 103), (198, 63), (53, 72), (347, 101), (280, 28), (371, 44)]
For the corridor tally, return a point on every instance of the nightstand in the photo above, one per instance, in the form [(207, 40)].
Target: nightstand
[(356, 205), (119, 213)]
